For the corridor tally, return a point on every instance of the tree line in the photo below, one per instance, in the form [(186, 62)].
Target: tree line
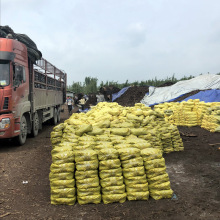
[(90, 84)]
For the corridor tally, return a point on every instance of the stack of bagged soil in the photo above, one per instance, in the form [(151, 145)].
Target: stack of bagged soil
[(157, 177), (61, 175), (87, 179), (111, 179), (105, 145), (134, 174)]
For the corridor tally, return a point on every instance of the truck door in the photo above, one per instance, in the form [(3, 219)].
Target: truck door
[(20, 90)]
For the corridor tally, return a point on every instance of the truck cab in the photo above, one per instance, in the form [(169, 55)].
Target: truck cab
[(14, 86)]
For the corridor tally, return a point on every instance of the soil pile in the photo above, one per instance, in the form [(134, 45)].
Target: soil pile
[(133, 95)]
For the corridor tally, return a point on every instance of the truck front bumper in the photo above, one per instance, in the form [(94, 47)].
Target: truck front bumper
[(11, 129)]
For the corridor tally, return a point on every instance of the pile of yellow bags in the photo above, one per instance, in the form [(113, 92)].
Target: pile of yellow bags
[(61, 175), (134, 174), (87, 179), (105, 145), (191, 113), (211, 121), (111, 179), (157, 177)]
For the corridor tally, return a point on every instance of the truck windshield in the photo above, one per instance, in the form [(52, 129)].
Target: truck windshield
[(4, 72)]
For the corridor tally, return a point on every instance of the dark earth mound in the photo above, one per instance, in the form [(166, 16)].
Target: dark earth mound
[(133, 95)]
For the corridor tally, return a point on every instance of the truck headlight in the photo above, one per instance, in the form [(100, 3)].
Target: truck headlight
[(5, 123)]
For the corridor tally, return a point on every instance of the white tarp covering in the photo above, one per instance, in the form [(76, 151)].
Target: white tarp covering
[(162, 94)]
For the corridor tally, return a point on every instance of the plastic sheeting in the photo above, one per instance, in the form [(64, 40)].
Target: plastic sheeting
[(164, 94), (120, 93)]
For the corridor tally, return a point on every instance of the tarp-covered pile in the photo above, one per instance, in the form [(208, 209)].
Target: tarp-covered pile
[(107, 146), (165, 94)]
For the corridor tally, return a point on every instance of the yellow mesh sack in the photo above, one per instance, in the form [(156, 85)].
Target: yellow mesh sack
[(151, 153), (108, 153), (110, 173), (79, 174), (109, 164), (131, 181), (162, 194), (138, 195), (134, 162), (61, 176), (113, 190), (96, 199), (137, 188), (61, 184), (63, 201), (120, 131), (160, 186), (134, 171), (62, 168), (85, 155), (87, 183), (63, 193), (87, 165), (128, 153), (66, 157), (156, 163), (88, 192), (111, 181), (114, 198)]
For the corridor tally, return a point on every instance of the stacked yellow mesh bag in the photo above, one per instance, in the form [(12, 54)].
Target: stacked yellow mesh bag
[(134, 174), (87, 179), (177, 142), (211, 121), (61, 175), (157, 177), (111, 179), (109, 126), (165, 135)]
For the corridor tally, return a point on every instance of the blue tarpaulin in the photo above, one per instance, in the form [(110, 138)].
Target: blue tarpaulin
[(120, 93), (212, 95)]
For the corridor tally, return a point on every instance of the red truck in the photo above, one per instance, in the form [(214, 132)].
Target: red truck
[(30, 92)]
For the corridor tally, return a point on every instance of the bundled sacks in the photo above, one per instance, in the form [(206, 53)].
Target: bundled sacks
[(87, 179), (61, 175), (111, 179), (157, 177), (211, 121), (117, 135), (134, 174)]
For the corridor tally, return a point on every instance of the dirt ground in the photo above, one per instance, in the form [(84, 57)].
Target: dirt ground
[(194, 176)]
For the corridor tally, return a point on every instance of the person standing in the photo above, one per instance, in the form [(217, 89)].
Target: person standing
[(69, 104)]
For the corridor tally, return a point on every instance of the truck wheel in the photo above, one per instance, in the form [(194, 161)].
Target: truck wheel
[(21, 138), (35, 127), (54, 119)]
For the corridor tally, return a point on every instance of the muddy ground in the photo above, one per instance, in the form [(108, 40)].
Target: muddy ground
[(194, 176)]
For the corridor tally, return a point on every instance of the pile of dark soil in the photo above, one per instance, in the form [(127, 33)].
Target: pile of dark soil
[(91, 101), (133, 95), (186, 95)]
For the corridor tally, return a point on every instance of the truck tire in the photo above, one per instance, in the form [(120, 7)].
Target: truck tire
[(54, 119), (21, 138), (35, 126)]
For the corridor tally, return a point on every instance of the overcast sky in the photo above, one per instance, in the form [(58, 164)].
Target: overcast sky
[(119, 40)]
